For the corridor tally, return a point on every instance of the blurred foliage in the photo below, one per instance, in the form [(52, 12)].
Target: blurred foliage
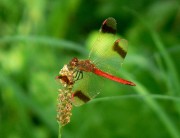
[(38, 37)]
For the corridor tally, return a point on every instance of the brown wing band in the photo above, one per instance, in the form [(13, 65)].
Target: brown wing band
[(107, 29), (119, 49), (109, 26), (81, 96)]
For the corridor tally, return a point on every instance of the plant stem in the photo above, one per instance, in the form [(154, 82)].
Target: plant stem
[(60, 130)]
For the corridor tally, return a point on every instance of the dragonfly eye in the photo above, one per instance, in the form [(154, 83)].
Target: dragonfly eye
[(73, 62)]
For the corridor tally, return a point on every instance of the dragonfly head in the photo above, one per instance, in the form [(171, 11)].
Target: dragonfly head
[(74, 62)]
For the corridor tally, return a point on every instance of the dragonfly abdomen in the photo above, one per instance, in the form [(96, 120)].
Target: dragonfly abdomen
[(111, 77)]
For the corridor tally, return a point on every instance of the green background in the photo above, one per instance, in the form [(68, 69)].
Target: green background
[(37, 37)]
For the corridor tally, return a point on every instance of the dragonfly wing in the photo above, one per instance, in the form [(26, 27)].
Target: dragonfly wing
[(108, 50), (86, 88)]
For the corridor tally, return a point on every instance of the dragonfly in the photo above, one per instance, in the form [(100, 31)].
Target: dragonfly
[(106, 56)]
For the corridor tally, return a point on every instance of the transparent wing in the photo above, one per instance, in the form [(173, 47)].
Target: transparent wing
[(86, 88), (108, 52)]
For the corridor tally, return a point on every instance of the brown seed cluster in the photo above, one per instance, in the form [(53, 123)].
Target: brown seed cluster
[(64, 105)]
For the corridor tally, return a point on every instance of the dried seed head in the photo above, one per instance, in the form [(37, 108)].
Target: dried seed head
[(64, 107)]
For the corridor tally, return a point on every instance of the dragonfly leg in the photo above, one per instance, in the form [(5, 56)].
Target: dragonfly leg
[(78, 75)]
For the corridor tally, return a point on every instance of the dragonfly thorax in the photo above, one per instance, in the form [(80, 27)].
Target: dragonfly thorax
[(82, 65)]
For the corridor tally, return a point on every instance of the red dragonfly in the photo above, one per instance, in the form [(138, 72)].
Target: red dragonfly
[(106, 57)]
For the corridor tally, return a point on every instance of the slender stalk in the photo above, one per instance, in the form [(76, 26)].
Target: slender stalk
[(60, 131), (136, 96)]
